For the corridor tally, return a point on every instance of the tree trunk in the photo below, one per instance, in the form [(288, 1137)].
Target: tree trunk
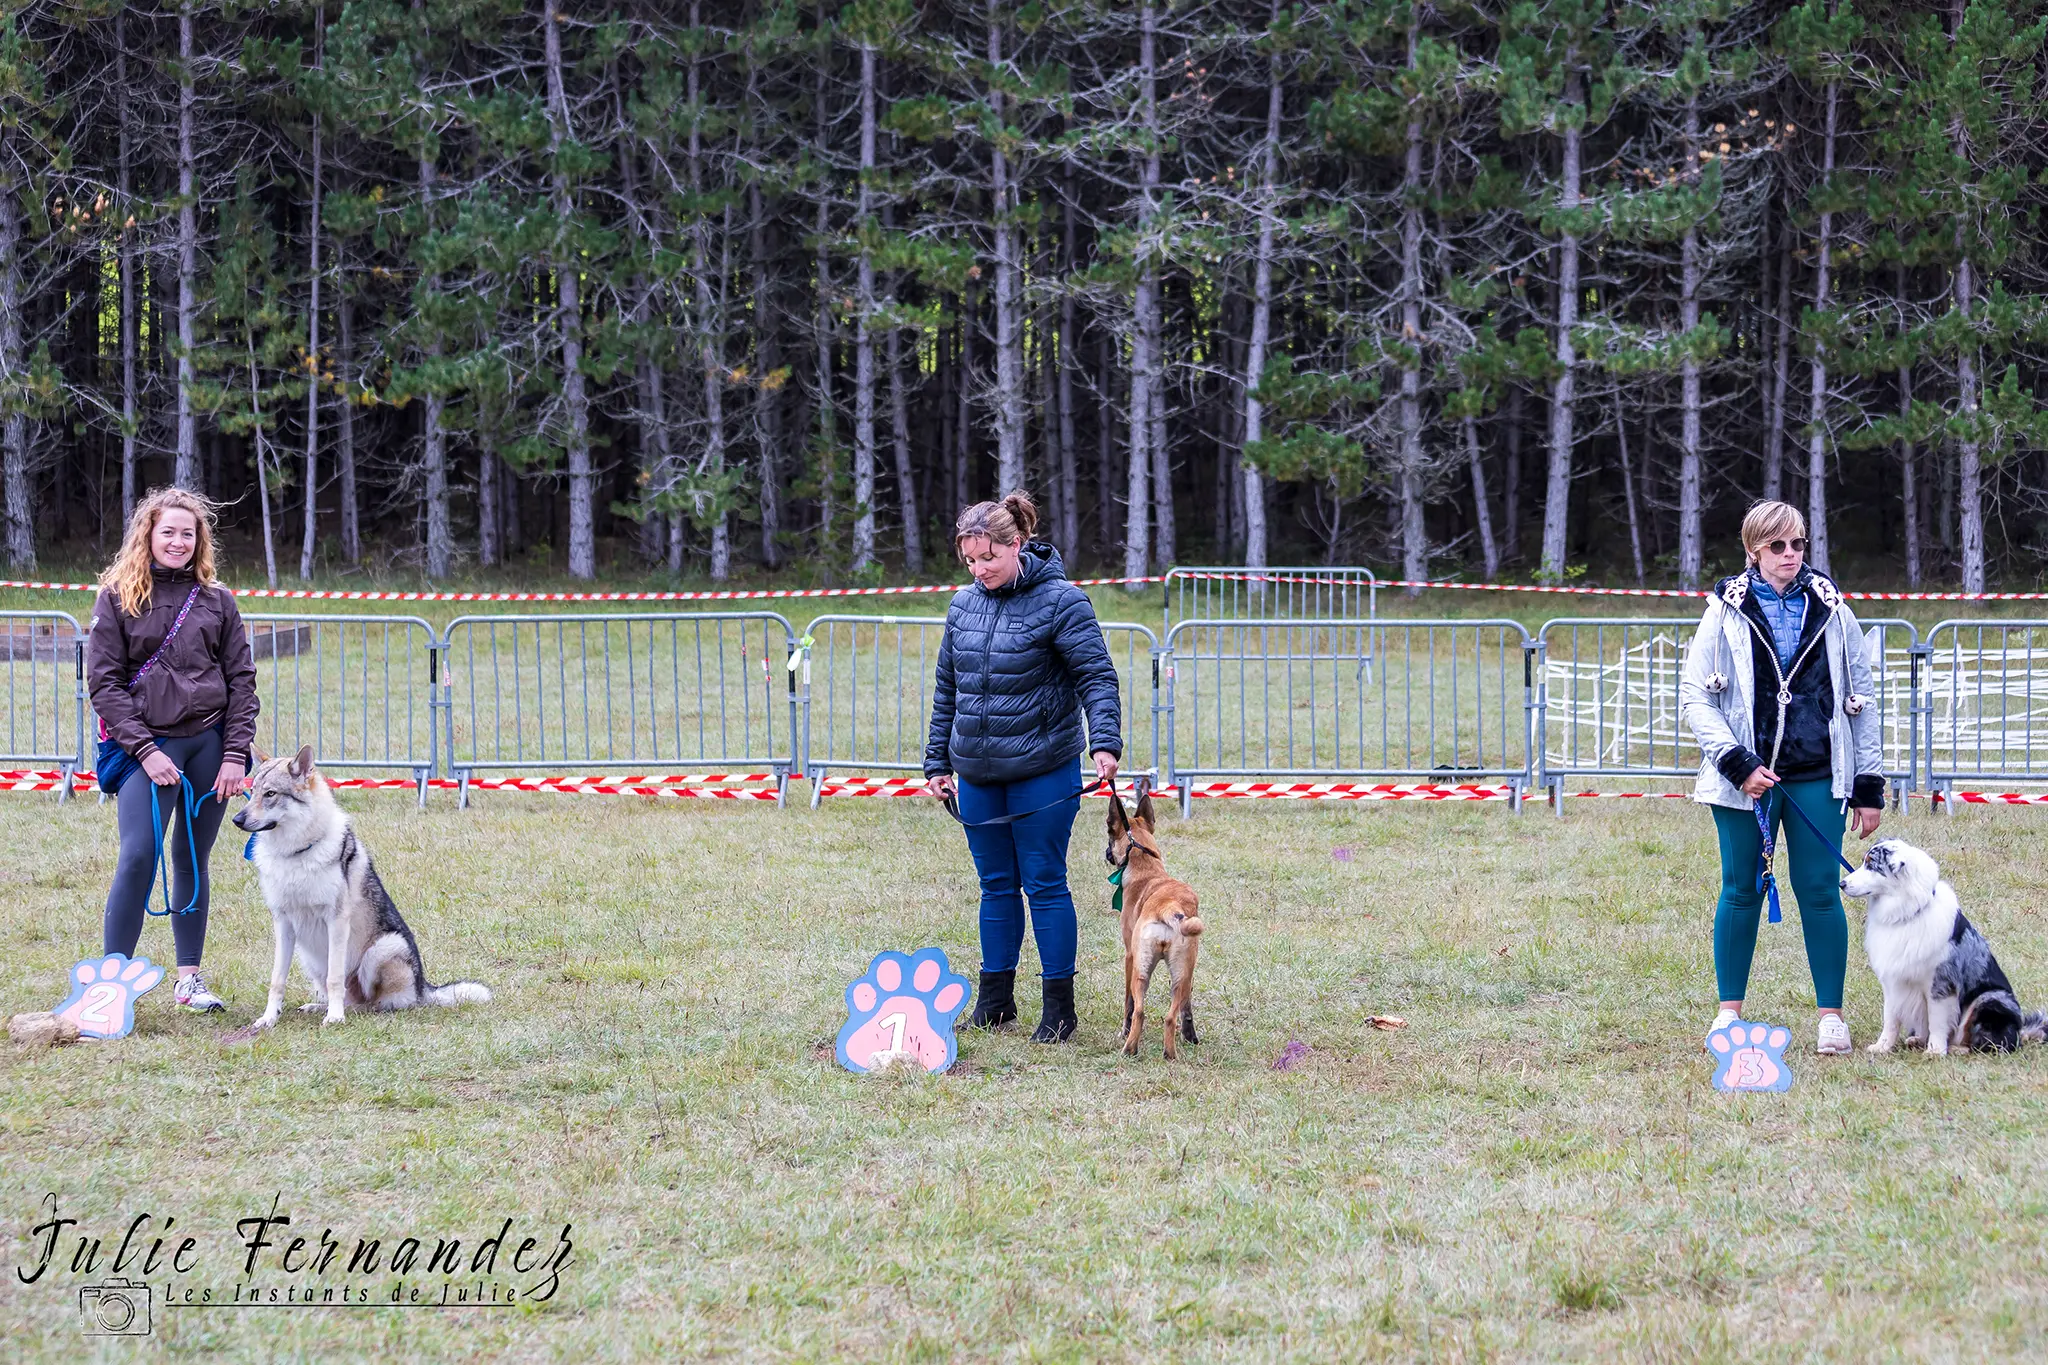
[(1164, 535), (906, 476), (1689, 540), (1105, 447), (345, 452), (1488, 549), (1009, 392), (187, 474), (767, 387), (262, 464), (1137, 520), (1414, 530), (312, 489), (863, 332), (568, 285), (1817, 401), (433, 439), (14, 452), (1511, 478), (1069, 480), (1969, 459), (1781, 369), (124, 207), (963, 421), (1628, 492), (1557, 493), (710, 330)]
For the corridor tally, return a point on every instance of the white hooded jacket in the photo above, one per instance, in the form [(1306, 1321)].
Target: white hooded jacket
[(1717, 694)]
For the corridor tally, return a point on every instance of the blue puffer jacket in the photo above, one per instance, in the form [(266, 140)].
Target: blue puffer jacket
[(1016, 667)]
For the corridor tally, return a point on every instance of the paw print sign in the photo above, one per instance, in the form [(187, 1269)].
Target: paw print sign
[(1750, 1056), (103, 994), (903, 1009)]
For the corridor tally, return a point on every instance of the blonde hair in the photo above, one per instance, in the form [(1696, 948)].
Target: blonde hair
[(129, 576), (1769, 521), (1003, 523)]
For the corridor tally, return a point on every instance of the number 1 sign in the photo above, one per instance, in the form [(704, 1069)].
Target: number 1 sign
[(903, 1010), (103, 994)]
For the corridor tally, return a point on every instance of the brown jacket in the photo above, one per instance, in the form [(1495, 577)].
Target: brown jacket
[(207, 678)]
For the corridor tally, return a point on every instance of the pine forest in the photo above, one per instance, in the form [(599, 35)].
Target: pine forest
[(1531, 289)]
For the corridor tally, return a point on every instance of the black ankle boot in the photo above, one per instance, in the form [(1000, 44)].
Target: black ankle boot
[(1058, 1022), (996, 1002)]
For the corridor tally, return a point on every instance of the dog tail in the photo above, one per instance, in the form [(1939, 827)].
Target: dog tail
[(1993, 1023), (1191, 925), (459, 993), (2034, 1027)]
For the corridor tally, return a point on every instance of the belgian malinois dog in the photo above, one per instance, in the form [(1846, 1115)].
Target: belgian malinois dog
[(1161, 920)]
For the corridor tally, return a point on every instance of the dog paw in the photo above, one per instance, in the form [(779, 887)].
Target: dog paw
[(268, 1019), (902, 1011), (333, 1017), (103, 994), (1750, 1056), (313, 1007)]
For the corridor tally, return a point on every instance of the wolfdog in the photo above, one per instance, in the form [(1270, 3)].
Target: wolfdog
[(326, 902)]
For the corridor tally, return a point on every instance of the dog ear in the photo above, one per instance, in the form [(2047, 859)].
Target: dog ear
[(256, 752), (1118, 821), (303, 763), (1145, 813)]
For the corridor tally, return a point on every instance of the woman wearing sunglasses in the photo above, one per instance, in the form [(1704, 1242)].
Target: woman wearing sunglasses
[(1776, 689)]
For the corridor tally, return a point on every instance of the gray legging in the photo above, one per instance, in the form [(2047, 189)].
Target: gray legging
[(198, 757)]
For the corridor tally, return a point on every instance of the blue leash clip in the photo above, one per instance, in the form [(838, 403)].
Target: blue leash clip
[(1766, 880)]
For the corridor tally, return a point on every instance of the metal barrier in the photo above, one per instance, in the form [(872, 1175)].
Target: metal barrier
[(42, 659), (628, 691), (358, 689), (1232, 592), (1983, 703), (867, 694), (1608, 699), (1294, 699)]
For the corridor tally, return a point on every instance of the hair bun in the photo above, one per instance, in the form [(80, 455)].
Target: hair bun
[(1019, 505)]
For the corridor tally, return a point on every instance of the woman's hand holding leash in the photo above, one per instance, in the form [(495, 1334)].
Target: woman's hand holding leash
[(940, 785), (230, 782), (159, 769), (1759, 782), (1105, 766)]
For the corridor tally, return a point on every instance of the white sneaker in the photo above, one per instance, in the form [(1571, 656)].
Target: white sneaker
[(193, 995), (1721, 1021), (1834, 1036)]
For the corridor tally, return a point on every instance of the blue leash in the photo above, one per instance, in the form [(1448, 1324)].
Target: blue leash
[(1766, 880), (163, 871)]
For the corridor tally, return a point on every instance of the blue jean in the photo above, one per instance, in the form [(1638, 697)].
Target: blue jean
[(1030, 856)]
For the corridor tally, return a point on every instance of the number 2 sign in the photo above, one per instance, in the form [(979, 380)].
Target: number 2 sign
[(103, 994)]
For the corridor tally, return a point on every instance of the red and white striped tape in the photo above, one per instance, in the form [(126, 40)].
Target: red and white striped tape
[(732, 595), (741, 595), (721, 786)]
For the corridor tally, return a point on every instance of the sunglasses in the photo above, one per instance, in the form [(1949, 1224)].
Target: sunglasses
[(1778, 547)]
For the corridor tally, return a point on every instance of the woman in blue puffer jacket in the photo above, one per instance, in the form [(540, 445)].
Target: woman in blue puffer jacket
[(1021, 660)]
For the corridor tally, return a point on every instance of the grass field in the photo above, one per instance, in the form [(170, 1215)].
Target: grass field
[(1535, 1169)]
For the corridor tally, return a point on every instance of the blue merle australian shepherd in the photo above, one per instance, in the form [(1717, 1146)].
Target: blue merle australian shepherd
[(1941, 983)]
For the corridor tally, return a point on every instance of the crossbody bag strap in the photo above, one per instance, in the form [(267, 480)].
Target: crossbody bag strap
[(164, 648)]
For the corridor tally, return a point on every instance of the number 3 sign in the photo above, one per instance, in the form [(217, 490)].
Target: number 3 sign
[(103, 994), (903, 1010)]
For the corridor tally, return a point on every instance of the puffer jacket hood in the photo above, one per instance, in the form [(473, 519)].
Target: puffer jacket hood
[(1018, 668)]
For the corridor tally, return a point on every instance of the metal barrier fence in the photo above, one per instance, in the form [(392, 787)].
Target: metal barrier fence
[(358, 689), (1298, 700), (1285, 698), (1233, 592), (1983, 704), (629, 691), (1608, 699), (867, 694), (42, 659)]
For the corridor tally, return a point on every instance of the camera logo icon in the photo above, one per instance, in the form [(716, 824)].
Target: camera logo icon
[(118, 1308)]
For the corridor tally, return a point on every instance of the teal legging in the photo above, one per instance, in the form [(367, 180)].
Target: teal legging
[(1812, 873)]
